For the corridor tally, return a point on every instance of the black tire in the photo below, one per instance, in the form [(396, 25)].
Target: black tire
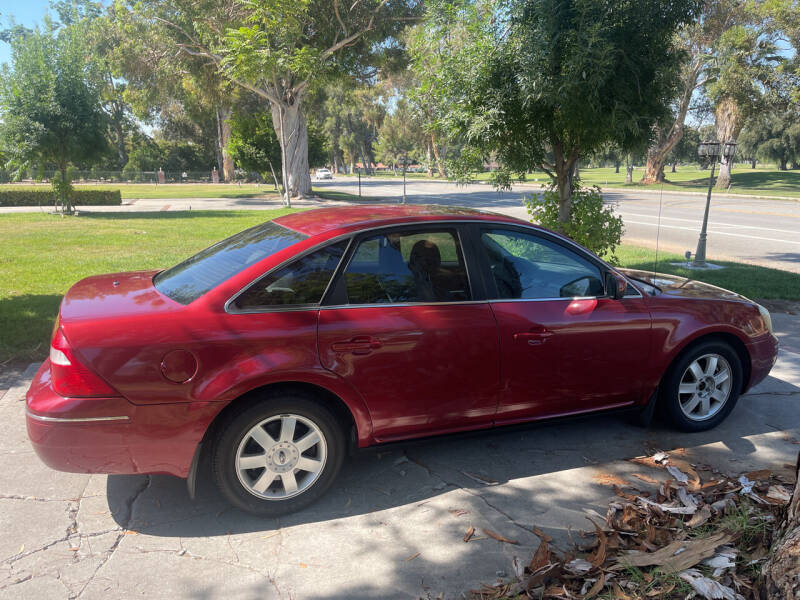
[(241, 421), (670, 398)]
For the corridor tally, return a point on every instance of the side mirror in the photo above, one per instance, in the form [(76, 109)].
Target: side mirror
[(615, 285)]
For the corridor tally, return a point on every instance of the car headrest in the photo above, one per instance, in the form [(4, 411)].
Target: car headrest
[(425, 257)]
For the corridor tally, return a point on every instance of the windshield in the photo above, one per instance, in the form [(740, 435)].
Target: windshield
[(205, 270)]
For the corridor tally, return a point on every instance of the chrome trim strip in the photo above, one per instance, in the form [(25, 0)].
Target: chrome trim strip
[(75, 420)]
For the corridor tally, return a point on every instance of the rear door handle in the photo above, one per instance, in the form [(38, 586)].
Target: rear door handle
[(535, 337), (362, 344)]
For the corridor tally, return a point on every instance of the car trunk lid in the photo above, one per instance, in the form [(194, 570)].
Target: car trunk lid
[(114, 295)]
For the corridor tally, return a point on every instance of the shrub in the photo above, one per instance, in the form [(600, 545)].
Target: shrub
[(592, 225), (47, 198)]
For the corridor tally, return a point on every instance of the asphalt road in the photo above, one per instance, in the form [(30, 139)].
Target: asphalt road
[(765, 232)]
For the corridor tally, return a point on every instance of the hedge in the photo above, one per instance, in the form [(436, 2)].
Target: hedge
[(46, 198)]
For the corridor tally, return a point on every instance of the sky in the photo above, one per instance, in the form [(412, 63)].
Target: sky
[(25, 12)]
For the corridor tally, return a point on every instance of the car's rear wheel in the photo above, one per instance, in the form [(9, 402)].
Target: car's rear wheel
[(279, 455), (702, 387)]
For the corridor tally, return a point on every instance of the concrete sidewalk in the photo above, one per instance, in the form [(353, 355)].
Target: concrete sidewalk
[(392, 526)]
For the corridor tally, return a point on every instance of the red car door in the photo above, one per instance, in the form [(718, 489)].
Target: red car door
[(565, 348), (400, 325)]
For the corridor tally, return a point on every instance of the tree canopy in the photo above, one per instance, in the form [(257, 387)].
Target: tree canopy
[(540, 83), (50, 103)]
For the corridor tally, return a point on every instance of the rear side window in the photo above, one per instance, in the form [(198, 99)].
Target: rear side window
[(205, 270), (304, 281), (407, 266)]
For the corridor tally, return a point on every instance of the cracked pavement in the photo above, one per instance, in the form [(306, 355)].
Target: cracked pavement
[(392, 526)]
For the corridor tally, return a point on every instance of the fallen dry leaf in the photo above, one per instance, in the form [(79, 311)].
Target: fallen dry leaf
[(469, 534), (499, 537), (541, 557), (760, 475), (610, 479), (646, 478), (412, 557), (542, 535), (458, 512), (619, 594), (677, 556), (596, 588), (708, 588), (700, 517), (778, 492)]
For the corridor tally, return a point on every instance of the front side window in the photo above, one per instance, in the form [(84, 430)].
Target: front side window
[(407, 266), (205, 270), (525, 266), (304, 281)]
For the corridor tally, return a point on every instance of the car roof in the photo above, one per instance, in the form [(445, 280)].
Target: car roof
[(347, 218)]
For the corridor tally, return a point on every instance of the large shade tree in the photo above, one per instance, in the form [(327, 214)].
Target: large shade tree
[(541, 83), (745, 74), (50, 105), (279, 49)]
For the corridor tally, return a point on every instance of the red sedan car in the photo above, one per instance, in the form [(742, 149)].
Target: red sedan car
[(280, 347)]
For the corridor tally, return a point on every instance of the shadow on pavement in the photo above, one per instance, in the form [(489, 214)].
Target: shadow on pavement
[(408, 474)]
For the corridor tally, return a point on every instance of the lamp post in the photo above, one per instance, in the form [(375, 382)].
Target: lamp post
[(404, 162), (711, 150)]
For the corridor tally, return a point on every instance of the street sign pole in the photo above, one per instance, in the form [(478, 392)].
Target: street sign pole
[(404, 180)]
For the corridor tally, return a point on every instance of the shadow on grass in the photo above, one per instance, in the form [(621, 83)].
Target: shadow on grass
[(785, 181), (26, 323)]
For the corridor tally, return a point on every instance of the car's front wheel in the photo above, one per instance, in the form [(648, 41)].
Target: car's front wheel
[(279, 455), (702, 386)]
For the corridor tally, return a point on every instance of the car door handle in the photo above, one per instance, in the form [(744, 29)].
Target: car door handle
[(534, 337), (357, 345)]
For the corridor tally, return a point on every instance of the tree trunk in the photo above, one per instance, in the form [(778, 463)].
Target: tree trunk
[(616, 166), (290, 127), (728, 125), (674, 167), (752, 163), (428, 159), (782, 165), (628, 170), (667, 140), (782, 569), (439, 166), (224, 128), (564, 166), (119, 134)]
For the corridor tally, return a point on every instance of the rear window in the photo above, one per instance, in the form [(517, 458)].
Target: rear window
[(205, 270)]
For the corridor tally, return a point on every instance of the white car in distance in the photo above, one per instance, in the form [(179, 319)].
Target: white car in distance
[(323, 174)]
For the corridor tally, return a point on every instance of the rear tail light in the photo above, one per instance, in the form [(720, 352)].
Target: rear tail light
[(69, 376)]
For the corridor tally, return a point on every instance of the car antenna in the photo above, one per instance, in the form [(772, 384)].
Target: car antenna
[(658, 231)]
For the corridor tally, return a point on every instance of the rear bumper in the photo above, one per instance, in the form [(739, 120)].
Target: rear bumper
[(112, 435), (763, 354)]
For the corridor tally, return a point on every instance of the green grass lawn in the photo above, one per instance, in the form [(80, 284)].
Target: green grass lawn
[(42, 255), (751, 281), (762, 181), (169, 190)]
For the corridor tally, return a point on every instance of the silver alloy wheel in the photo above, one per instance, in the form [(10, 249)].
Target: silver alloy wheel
[(705, 387), (281, 457)]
